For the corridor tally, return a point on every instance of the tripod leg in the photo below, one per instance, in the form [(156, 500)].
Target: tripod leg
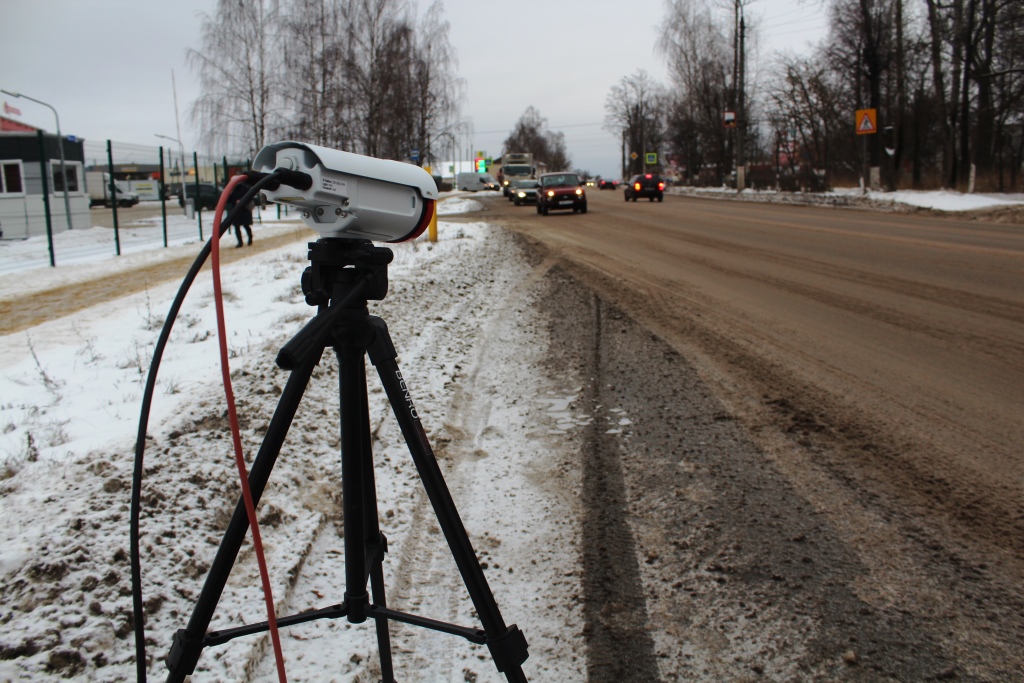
[(387, 669), (507, 644), (353, 400), (364, 544), (371, 525), (188, 642)]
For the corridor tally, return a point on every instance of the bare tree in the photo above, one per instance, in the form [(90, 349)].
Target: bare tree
[(376, 41), (353, 74), (631, 110), (239, 67), (437, 90), (696, 45), (531, 134), (315, 70)]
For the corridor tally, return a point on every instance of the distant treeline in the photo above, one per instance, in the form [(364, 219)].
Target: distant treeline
[(946, 79)]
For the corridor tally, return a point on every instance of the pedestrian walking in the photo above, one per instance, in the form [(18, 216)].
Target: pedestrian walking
[(244, 217)]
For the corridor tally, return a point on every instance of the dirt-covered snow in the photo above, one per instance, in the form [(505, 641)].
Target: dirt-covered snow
[(469, 345)]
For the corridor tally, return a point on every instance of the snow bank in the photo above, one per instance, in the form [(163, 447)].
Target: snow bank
[(941, 200)]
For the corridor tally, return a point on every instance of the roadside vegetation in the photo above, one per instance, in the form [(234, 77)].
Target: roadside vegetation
[(946, 80)]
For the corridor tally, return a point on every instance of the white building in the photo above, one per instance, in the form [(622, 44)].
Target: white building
[(22, 212)]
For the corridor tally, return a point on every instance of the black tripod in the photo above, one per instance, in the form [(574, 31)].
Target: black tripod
[(344, 275)]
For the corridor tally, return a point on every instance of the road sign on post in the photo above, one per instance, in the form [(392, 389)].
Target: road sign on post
[(651, 158), (867, 121)]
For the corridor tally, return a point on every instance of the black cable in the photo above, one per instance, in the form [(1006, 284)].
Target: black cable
[(262, 181)]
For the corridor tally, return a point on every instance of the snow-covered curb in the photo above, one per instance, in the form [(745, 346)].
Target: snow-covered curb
[(939, 200)]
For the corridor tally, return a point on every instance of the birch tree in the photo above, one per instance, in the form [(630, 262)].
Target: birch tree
[(239, 67)]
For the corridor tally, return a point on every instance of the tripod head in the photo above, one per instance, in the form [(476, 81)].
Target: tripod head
[(345, 273), (338, 264)]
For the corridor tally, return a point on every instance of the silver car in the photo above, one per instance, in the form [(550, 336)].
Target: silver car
[(523, 191)]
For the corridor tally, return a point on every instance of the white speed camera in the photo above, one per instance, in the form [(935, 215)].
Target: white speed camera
[(352, 196)]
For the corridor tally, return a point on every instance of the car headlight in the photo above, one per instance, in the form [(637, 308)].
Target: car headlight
[(579, 190), (551, 193), (521, 193)]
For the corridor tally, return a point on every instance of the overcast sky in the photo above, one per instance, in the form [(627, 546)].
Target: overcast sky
[(105, 65)]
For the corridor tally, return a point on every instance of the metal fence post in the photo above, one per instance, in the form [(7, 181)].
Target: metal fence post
[(163, 196), (113, 196), (199, 207), (43, 167)]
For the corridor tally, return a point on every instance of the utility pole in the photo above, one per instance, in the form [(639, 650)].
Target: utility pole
[(873, 66), (625, 175), (741, 117)]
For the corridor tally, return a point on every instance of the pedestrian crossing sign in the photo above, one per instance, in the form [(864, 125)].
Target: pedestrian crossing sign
[(867, 121)]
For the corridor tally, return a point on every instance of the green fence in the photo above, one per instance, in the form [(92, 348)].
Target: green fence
[(121, 174)]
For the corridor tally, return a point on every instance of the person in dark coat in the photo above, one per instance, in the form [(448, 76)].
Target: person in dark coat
[(244, 218)]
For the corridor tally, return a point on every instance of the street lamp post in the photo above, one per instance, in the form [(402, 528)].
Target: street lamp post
[(60, 147), (181, 147)]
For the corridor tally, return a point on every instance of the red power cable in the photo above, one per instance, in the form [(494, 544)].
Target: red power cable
[(236, 437)]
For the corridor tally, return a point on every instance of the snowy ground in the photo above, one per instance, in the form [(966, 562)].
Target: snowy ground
[(469, 345), (941, 200)]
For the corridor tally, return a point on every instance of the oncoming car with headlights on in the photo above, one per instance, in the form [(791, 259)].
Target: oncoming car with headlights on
[(523, 191), (559, 191)]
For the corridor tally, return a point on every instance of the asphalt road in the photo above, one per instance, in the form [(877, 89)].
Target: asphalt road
[(875, 360)]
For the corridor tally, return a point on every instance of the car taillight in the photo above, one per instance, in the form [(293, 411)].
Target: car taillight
[(661, 186), (636, 186)]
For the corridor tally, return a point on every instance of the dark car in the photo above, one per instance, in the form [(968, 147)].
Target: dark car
[(560, 191), (208, 195), (607, 184), (645, 185), (524, 191)]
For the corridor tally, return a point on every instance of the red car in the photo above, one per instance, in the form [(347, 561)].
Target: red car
[(558, 191)]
